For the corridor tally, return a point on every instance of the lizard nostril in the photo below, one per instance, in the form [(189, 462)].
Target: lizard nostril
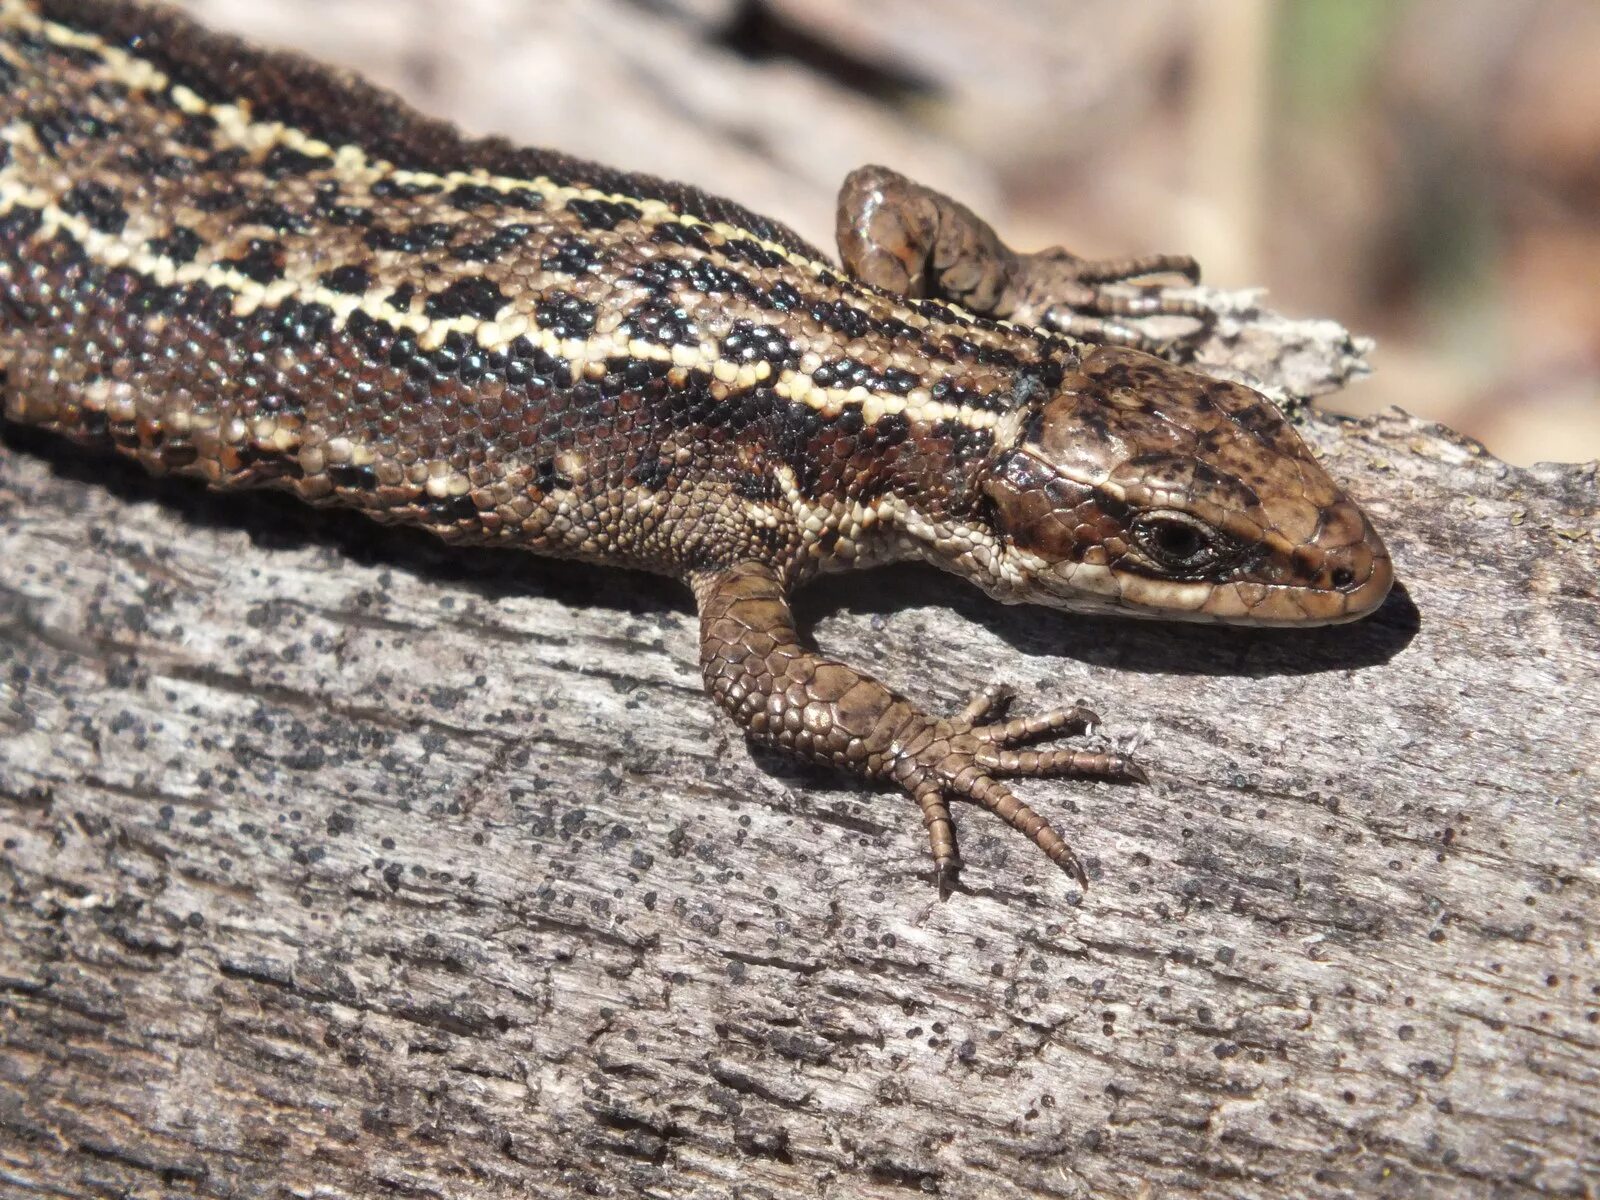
[(1343, 577)]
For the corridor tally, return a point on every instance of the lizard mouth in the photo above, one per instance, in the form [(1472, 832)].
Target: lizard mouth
[(1308, 585), (1313, 585)]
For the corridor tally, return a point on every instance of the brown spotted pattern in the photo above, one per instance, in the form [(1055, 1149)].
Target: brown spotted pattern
[(242, 267)]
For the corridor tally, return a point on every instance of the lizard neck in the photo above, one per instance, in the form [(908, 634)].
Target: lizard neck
[(914, 489)]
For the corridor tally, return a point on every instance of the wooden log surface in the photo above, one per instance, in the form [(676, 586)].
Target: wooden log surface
[(338, 863)]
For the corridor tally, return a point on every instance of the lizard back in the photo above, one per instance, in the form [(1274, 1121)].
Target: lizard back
[(242, 266)]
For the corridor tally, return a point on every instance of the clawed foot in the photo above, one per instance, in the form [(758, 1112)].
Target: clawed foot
[(1069, 294), (784, 695), (961, 757)]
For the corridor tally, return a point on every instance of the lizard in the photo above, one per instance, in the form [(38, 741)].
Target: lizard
[(235, 264)]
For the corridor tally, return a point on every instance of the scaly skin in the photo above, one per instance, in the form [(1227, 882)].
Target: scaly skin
[(243, 267)]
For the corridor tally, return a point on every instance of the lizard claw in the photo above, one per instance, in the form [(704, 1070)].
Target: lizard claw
[(960, 758)]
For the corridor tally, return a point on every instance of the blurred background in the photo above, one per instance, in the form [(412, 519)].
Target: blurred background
[(1426, 172)]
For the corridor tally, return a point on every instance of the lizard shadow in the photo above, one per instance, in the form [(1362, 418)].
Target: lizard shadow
[(1146, 646)]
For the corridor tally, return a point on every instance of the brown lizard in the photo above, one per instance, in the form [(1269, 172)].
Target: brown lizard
[(240, 266)]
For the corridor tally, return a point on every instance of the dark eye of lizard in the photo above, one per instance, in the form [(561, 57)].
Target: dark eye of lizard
[(1179, 543)]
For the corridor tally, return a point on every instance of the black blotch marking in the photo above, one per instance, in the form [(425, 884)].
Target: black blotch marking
[(52, 127), (196, 130), (275, 217), (350, 280), (547, 479), (460, 357), (56, 126), (847, 373), (32, 46), (97, 128), (604, 214), (502, 242), (842, 317), (950, 393), (897, 330), (149, 299), (402, 296), (961, 349), (473, 296), (394, 189), (897, 380), (891, 429), (713, 279), (301, 324), (677, 233), (638, 375), (97, 204), (797, 426), (738, 249), (783, 297), (771, 538), (262, 261), (966, 443), (23, 223), (748, 342), (1112, 507), (659, 276), (474, 365), (533, 369), (566, 316), (179, 244), (659, 320), (413, 239), (452, 508), (652, 474), (470, 196), (143, 161), (349, 475)]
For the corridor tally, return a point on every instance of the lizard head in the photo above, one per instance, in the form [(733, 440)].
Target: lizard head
[(1145, 489)]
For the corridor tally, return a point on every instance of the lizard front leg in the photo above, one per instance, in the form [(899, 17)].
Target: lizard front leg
[(785, 695), (897, 234)]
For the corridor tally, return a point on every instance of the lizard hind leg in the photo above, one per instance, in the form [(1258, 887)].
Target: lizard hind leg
[(896, 234)]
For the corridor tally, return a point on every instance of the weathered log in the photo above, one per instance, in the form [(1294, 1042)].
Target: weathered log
[(337, 862)]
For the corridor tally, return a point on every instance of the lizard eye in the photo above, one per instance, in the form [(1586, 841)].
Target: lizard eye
[(1176, 542)]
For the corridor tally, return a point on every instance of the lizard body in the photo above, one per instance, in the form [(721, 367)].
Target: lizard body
[(240, 266)]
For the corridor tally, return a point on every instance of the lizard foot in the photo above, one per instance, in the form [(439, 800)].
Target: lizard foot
[(964, 755)]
